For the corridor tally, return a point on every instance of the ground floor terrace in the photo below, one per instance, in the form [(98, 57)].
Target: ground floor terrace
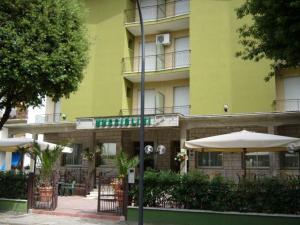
[(104, 138)]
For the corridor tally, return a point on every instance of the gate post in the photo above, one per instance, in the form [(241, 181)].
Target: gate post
[(125, 196), (99, 189), (55, 179), (30, 183)]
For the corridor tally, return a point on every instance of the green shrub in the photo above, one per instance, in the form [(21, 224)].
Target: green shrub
[(13, 185), (196, 191)]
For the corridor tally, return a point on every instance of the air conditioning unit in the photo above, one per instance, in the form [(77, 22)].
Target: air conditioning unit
[(163, 39)]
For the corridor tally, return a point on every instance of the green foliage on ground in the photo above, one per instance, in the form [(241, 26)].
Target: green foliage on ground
[(43, 51), (274, 32), (197, 191), (13, 185)]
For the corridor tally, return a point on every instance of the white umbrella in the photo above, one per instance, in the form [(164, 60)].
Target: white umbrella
[(244, 141), (238, 141), (11, 144)]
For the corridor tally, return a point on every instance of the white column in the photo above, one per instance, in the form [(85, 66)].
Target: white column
[(8, 157), (183, 165)]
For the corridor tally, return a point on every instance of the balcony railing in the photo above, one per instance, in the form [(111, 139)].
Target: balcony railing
[(158, 11), (184, 110), (49, 118), (288, 105), (172, 60)]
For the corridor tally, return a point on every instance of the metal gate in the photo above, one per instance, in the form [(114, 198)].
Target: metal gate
[(112, 195), (42, 197)]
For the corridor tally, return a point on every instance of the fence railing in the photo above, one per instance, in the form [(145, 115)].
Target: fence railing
[(158, 11), (49, 118), (172, 60), (184, 110), (288, 105)]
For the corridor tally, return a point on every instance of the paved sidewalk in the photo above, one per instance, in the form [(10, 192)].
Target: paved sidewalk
[(38, 219)]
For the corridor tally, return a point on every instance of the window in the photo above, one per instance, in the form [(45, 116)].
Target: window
[(107, 154), (182, 7), (182, 55), (149, 9), (128, 92), (181, 100), (75, 157), (257, 159), (210, 159), (292, 93), (290, 160), (149, 101), (130, 44)]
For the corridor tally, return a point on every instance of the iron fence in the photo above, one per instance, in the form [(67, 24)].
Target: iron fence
[(112, 195), (288, 105), (42, 197), (158, 62), (163, 9), (184, 110)]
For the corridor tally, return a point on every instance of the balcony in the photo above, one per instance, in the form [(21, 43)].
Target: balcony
[(168, 66), (288, 105), (183, 110), (49, 118), (171, 16)]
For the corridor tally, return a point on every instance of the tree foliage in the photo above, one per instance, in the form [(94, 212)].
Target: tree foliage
[(274, 32), (43, 51)]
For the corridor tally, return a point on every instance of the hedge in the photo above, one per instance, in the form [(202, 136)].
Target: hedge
[(13, 185), (197, 191)]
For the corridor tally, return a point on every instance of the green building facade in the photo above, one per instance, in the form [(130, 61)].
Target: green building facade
[(211, 73)]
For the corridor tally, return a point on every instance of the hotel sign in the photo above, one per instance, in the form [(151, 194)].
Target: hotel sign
[(127, 122)]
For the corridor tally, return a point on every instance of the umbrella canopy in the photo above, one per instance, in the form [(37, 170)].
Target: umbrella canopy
[(11, 144), (239, 141)]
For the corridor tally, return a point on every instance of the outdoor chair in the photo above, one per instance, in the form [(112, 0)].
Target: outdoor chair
[(69, 188)]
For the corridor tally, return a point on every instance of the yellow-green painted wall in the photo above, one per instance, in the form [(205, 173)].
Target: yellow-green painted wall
[(217, 77), (100, 93)]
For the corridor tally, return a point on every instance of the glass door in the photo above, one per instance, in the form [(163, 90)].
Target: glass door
[(182, 47), (149, 9)]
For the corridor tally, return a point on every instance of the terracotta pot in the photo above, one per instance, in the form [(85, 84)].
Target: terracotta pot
[(46, 194)]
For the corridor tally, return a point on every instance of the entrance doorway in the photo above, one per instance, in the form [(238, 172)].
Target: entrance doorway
[(149, 159)]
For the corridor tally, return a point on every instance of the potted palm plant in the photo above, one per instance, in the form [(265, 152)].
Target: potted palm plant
[(48, 158), (123, 163)]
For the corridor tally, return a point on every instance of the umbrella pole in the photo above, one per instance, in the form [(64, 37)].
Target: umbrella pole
[(244, 162)]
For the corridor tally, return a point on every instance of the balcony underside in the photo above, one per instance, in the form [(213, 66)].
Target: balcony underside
[(163, 75), (169, 24)]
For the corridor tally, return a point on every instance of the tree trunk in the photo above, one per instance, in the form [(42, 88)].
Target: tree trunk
[(5, 116)]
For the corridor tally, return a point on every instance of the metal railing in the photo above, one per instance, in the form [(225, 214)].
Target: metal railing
[(172, 60), (288, 105), (158, 11), (49, 118), (184, 110)]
